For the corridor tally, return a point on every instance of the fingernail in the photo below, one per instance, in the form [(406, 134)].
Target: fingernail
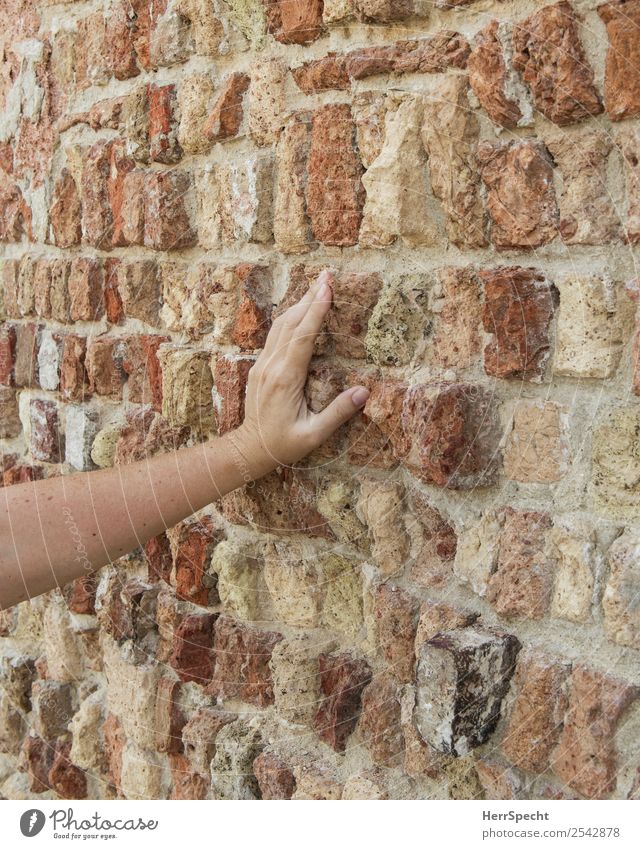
[(359, 396), (322, 292)]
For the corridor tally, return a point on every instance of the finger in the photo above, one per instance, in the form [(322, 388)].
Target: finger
[(303, 337), (282, 327), (339, 411), (296, 313)]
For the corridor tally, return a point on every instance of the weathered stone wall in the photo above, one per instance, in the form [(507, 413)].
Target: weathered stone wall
[(443, 602)]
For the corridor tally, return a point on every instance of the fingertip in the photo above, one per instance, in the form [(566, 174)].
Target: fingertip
[(359, 396)]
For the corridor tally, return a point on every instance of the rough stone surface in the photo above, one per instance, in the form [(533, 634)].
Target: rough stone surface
[(621, 620), (585, 756), (462, 677), (536, 717), (450, 133), (591, 327), (550, 57), (398, 198), (521, 201), (173, 176), (538, 446), (519, 304), (622, 20)]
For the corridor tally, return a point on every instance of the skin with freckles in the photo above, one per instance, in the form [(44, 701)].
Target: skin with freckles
[(107, 513)]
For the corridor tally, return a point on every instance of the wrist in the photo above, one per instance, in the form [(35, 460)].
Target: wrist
[(249, 454)]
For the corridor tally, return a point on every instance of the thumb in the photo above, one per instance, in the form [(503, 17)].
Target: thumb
[(339, 411)]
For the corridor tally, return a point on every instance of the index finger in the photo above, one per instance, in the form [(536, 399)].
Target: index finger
[(303, 337), (286, 322)]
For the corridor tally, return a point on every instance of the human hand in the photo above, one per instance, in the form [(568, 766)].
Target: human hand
[(278, 428)]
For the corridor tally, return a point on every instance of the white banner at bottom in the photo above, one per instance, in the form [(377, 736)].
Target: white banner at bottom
[(285, 825)]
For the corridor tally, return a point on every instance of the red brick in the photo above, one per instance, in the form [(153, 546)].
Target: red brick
[(125, 611), (81, 595), (21, 473), (86, 289), (433, 564), (46, 440), (114, 741), (384, 409), (225, 117), (488, 75), (192, 655), (194, 544), (15, 213), (230, 382), (169, 718), (275, 776), (145, 434), (585, 758), (163, 126), (455, 434), (74, 383), (159, 559), (104, 367), (395, 615), (342, 680), (622, 68), (38, 756), (521, 200), (7, 353), (166, 220), (121, 164), (522, 583), (65, 778), (112, 300), (329, 72), (142, 366), (242, 655), (368, 443), (354, 296), (428, 55), (186, 783), (537, 715), (65, 212), (253, 312), (97, 218), (335, 195), (380, 721), (518, 309), (549, 55), (294, 21), (119, 44)]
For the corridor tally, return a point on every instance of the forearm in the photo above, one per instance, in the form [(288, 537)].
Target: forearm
[(55, 530)]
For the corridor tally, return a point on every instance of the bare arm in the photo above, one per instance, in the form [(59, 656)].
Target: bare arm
[(55, 530)]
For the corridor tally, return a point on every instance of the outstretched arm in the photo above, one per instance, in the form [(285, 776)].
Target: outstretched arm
[(55, 530)]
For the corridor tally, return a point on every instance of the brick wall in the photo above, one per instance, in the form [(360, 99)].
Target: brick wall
[(443, 601)]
